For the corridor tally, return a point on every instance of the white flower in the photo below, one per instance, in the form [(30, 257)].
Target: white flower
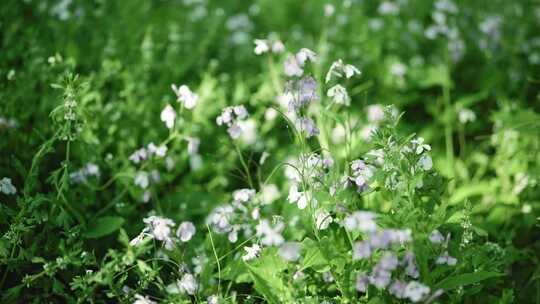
[(160, 151), (231, 116), (143, 300), (185, 231), (297, 197), (322, 219), (142, 180), (213, 299), (339, 94), (306, 124), (436, 237), (290, 251), (243, 195), (339, 69), (138, 155), (305, 55), (270, 236), (291, 67), (466, 115), (252, 252), (388, 8), (329, 10), (375, 113), (398, 69), (168, 116), (425, 162), (188, 284), (416, 291), (360, 220), (269, 193), (160, 229), (445, 258), (261, 46), (420, 146), (185, 96), (6, 186)]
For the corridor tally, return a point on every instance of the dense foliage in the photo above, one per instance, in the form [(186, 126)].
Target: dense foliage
[(288, 151)]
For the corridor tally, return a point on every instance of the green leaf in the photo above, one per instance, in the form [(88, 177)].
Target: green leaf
[(466, 279), (265, 273), (104, 226), (313, 256)]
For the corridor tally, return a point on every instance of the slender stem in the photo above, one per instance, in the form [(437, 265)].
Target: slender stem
[(244, 165), (216, 256)]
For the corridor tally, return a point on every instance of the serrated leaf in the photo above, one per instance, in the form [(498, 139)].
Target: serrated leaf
[(104, 226), (467, 279)]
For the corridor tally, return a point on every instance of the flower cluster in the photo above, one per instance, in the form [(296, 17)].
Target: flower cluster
[(6, 186), (268, 45), (160, 228), (231, 117), (79, 176)]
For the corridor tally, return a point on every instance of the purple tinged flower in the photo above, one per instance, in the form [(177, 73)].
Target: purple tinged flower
[(381, 239), (409, 261), (416, 291), (362, 281), (363, 221), (436, 237), (397, 289), (380, 278), (445, 258), (388, 261), (306, 124), (361, 250)]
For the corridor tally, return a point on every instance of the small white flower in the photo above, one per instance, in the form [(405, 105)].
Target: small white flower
[(375, 113), (269, 193), (160, 229), (7, 187), (322, 219), (188, 284), (243, 195), (185, 96), (270, 236), (445, 258), (185, 231), (425, 162), (436, 237), (252, 252), (329, 10), (416, 291), (292, 68), (298, 197), (466, 115), (139, 299), (398, 69), (360, 220), (339, 94), (305, 55), (168, 116), (142, 180), (339, 69), (420, 146), (261, 46)]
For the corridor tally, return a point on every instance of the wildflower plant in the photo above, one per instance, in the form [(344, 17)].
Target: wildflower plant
[(192, 156)]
